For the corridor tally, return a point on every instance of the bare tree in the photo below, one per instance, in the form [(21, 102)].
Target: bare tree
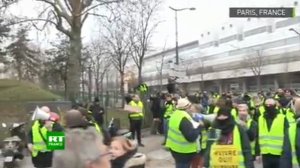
[(255, 62), (4, 4), (118, 44), (69, 16), (143, 23), (160, 66), (100, 65)]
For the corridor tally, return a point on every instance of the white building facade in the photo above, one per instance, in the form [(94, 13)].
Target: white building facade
[(224, 59)]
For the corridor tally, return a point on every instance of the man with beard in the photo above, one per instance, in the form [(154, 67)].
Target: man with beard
[(273, 141), (233, 136), (294, 133)]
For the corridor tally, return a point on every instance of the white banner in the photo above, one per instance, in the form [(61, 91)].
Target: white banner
[(132, 109)]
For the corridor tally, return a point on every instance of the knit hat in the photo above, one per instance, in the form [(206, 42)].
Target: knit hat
[(183, 103)]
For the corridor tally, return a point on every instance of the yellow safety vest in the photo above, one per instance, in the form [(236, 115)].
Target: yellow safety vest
[(292, 136), (170, 108), (271, 142), (276, 97), (236, 143), (289, 114), (252, 144), (252, 105), (97, 127), (175, 140), (39, 144), (261, 110), (143, 88), (216, 96), (204, 139), (139, 115)]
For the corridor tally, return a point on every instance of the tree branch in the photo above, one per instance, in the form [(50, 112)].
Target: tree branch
[(95, 6)]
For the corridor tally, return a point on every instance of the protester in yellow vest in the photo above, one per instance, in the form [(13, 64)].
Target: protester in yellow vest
[(249, 125), (37, 138), (286, 110), (136, 119), (294, 133), (168, 111), (273, 138), (212, 106), (232, 149), (183, 135)]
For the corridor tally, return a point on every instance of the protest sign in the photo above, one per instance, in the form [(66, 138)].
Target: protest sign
[(225, 156)]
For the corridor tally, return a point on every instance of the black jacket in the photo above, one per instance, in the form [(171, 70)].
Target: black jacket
[(97, 112), (252, 131), (246, 149), (155, 107)]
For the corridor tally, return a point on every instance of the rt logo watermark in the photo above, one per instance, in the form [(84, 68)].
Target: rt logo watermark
[(55, 140)]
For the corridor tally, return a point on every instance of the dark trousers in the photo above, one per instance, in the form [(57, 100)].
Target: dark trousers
[(43, 160), (136, 127), (271, 161), (183, 160)]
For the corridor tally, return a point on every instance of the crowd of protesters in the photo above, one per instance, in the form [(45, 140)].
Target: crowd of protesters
[(87, 143), (263, 128)]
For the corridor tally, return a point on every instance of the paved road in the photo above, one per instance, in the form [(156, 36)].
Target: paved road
[(157, 157)]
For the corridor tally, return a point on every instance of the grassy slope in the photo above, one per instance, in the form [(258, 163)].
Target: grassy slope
[(12, 90), (13, 95)]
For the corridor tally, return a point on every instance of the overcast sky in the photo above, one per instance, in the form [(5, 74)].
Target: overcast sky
[(208, 16)]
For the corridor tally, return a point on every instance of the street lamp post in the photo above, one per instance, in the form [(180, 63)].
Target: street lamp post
[(298, 33), (176, 29), (292, 29)]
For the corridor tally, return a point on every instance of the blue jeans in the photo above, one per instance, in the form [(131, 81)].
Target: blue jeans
[(183, 164)]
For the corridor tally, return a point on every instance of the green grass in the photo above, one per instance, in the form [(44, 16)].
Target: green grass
[(19, 91), (13, 97)]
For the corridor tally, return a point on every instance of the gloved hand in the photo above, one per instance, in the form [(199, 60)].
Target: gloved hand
[(198, 117)]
